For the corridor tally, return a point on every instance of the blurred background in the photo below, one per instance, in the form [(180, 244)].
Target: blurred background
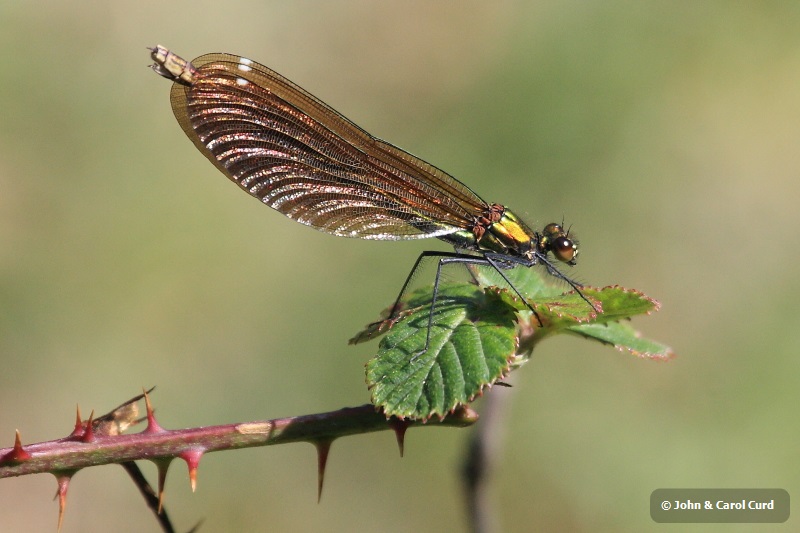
[(666, 133)]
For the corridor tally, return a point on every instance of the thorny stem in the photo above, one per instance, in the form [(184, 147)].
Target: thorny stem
[(72, 453)]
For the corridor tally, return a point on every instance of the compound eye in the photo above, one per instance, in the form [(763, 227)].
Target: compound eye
[(552, 230), (564, 249)]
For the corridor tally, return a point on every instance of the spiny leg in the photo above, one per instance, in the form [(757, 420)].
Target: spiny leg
[(492, 260), (446, 259), (553, 271), (395, 309)]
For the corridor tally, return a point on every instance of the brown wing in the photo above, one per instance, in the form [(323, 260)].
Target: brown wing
[(302, 158)]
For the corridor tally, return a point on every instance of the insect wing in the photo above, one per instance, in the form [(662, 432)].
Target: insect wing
[(299, 156)]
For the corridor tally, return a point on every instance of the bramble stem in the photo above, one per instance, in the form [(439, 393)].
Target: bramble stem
[(72, 453)]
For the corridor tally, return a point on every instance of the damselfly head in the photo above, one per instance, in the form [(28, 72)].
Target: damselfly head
[(554, 239)]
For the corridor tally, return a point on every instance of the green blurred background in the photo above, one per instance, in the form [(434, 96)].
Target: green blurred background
[(666, 133)]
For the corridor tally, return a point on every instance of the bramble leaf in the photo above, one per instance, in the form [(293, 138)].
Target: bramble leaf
[(476, 333), (472, 345), (623, 337)]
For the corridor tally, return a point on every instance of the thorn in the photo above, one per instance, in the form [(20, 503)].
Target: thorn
[(323, 446), (88, 434), (399, 426), (192, 458), (18, 454), (78, 431), (163, 466), (63, 485), (152, 425), (323, 449)]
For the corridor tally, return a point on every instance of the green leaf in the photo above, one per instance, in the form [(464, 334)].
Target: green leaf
[(472, 344), (613, 304), (529, 281), (475, 339), (623, 337), (617, 303)]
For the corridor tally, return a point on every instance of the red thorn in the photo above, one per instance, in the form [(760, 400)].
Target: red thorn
[(63, 485), (18, 454), (192, 458), (163, 466), (88, 434), (323, 447), (152, 425), (78, 431), (399, 427)]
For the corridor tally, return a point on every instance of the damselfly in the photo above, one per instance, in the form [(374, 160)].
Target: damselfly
[(299, 156)]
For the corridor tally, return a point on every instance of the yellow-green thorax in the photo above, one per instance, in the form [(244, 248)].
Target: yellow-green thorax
[(503, 232)]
